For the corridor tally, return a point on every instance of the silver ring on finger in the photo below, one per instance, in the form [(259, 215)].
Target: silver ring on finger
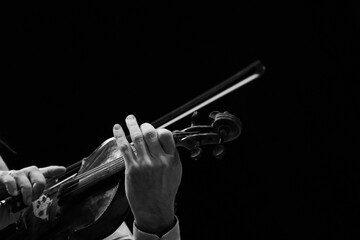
[(11, 173)]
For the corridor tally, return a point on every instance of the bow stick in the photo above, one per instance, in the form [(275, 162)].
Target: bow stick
[(239, 79)]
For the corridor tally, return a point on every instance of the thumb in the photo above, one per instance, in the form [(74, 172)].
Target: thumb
[(52, 171)]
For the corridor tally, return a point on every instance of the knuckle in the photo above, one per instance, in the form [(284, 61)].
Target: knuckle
[(138, 138), (150, 135), (8, 181), (124, 147), (33, 168), (26, 187), (16, 174), (30, 169), (159, 165), (154, 165)]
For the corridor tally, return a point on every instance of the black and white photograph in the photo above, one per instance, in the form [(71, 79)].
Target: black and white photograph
[(141, 120)]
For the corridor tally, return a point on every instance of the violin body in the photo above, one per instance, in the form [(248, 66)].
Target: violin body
[(90, 211)]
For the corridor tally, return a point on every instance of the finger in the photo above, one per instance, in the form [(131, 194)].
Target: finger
[(151, 138), (52, 171), (9, 182), (24, 185), (38, 182), (123, 144), (136, 135), (166, 140)]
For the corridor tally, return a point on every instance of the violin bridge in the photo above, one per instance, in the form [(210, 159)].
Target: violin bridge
[(41, 207)]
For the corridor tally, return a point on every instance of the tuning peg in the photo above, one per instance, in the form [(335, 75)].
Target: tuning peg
[(212, 116), (195, 118), (196, 153), (219, 151)]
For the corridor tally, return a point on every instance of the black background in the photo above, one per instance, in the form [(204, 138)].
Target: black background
[(72, 70)]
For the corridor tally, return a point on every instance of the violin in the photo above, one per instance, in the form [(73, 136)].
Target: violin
[(89, 201)]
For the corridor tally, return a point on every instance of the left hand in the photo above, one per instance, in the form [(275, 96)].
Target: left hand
[(152, 176)]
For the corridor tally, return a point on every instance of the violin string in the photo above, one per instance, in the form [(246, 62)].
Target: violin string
[(115, 163), (73, 177), (55, 186), (99, 168), (86, 183)]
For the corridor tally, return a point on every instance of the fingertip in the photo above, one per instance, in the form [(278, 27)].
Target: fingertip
[(62, 169), (28, 201), (130, 117), (27, 195), (37, 190), (10, 185), (116, 127), (13, 192), (58, 170), (167, 140), (117, 130), (52, 171)]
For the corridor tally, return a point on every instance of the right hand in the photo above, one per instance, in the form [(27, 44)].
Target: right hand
[(29, 181)]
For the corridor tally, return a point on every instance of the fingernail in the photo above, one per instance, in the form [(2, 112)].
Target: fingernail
[(130, 117), (116, 131)]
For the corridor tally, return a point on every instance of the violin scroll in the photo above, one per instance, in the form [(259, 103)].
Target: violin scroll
[(224, 127)]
